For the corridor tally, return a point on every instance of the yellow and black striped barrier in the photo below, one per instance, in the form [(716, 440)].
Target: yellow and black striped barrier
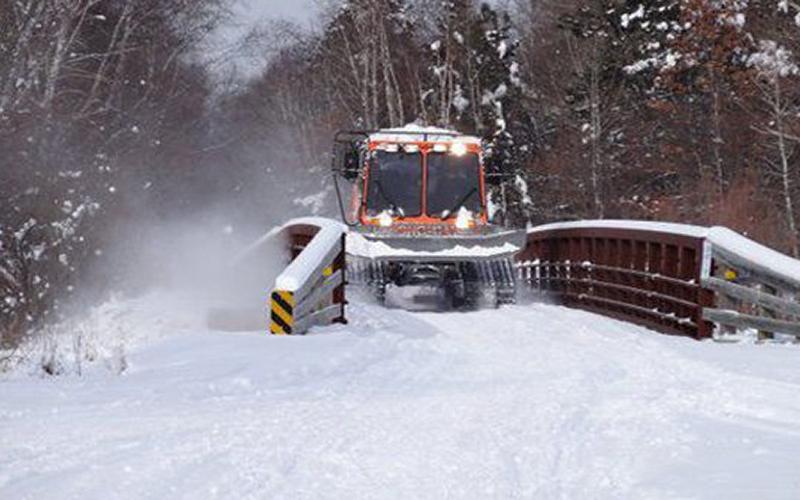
[(310, 291), (282, 313)]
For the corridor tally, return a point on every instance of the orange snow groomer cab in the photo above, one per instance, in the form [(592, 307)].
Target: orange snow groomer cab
[(422, 177), (420, 218)]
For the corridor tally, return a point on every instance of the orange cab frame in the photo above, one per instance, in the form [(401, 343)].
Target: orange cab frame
[(425, 147)]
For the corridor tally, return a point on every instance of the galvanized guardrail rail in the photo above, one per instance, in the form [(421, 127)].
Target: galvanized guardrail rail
[(755, 288)]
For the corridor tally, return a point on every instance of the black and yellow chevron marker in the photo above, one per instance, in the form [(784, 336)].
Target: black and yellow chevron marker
[(281, 313)]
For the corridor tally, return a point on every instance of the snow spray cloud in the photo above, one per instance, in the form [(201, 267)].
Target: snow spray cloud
[(196, 256)]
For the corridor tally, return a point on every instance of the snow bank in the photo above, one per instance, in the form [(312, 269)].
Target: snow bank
[(104, 336)]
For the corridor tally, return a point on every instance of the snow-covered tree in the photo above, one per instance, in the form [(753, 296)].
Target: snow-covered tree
[(504, 122), (451, 99), (96, 98), (595, 95), (364, 53), (475, 88), (696, 51), (777, 81), (776, 110)]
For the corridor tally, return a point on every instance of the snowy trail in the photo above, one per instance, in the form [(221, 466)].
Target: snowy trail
[(525, 402)]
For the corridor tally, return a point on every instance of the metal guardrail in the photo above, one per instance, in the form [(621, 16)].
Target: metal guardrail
[(311, 290), (752, 292), (677, 279)]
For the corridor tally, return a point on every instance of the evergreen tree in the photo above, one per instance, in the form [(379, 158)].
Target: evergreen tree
[(502, 115), (643, 32), (594, 101), (695, 52), (475, 87)]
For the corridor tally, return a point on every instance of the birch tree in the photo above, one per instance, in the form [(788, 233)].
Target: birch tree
[(362, 49), (777, 80)]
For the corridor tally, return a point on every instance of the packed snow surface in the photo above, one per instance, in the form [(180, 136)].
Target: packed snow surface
[(529, 401)]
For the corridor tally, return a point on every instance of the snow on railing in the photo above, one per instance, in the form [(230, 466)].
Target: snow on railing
[(673, 277), (310, 291)]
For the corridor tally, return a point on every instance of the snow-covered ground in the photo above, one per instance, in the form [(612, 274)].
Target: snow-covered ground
[(532, 401)]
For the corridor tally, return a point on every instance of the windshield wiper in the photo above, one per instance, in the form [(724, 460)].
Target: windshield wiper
[(392, 205), (460, 203)]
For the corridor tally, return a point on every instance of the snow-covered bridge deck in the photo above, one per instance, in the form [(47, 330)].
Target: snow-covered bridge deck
[(531, 401)]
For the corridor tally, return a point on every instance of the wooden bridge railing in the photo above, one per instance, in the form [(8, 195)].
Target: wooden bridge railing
[(677, 279)]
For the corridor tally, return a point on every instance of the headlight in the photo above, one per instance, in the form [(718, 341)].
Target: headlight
[(458, 149), (385, 219), (464, 219)]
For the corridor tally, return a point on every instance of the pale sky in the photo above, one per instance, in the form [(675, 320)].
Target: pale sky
[(254, 10), (249, 14)]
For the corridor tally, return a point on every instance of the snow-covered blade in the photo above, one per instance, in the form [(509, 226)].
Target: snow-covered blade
[(434, 243), (433, 267)]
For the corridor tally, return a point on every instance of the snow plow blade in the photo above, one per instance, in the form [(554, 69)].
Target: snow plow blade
[(486, 244)]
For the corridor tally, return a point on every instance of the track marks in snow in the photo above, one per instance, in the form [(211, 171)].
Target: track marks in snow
[(525, 402)]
